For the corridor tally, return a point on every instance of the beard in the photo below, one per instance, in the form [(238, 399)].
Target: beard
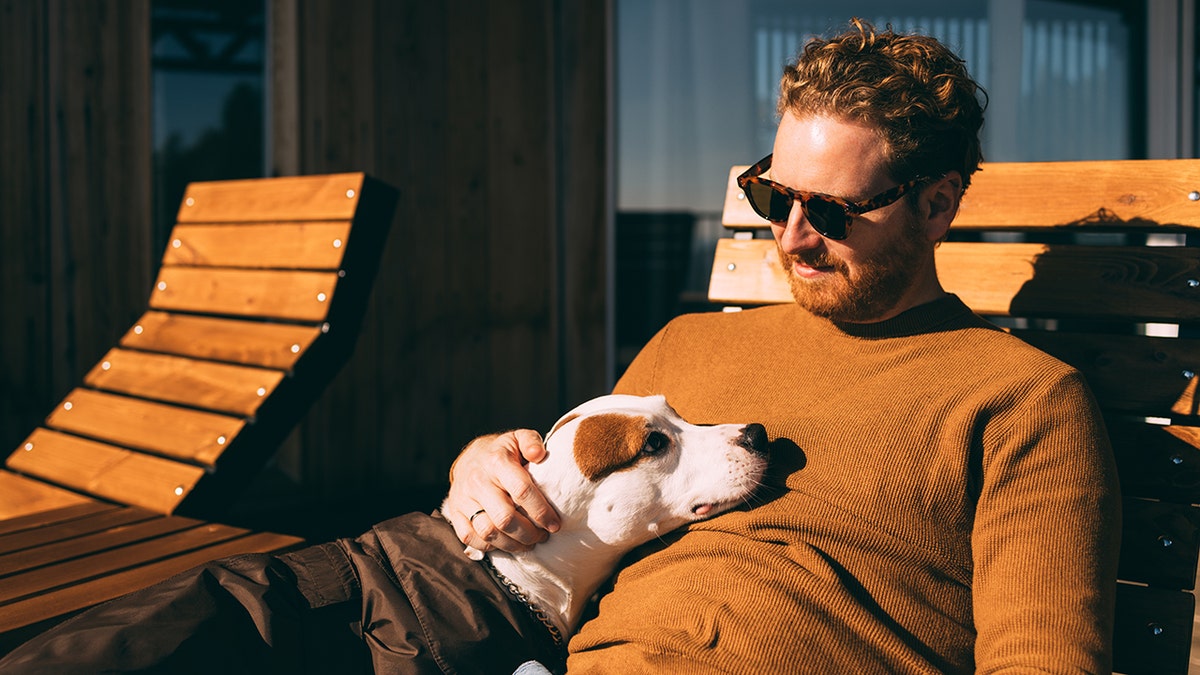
[(870, 290)]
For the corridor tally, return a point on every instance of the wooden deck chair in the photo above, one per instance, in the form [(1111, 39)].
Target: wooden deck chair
[(1106, 276), (257, 304)]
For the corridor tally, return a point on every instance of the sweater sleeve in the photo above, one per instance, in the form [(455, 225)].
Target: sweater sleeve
[(1046, 536), (639, 379)]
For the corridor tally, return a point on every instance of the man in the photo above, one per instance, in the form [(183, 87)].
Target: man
[(945, 498)]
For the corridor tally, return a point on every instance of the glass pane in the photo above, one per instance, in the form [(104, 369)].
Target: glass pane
[(208, 61), (696, 83)]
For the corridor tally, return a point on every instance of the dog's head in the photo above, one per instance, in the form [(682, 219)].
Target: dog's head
[(629, 468)]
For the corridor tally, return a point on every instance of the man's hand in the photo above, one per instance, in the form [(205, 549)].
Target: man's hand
[(493, 502)]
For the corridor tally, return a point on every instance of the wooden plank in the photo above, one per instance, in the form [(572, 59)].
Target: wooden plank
[(61, 601), (105, 562), (1033, 280), (21, 496), (327, 197), (107, 471), (1159, 462), (295, 245), (52, 517), (142, 525), (65, 532), (1138, 191), (1114, 193), (213, 386), (1036, 280), (1159, 543), (1162, 368), (192, 435), (251, 343), (298, 296), (747, 271), (1153, 632)]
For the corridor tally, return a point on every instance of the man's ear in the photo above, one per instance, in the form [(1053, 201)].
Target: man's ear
[(940, 205)]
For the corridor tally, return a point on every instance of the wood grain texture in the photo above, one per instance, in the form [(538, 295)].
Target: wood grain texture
[(251, 343), (221, 387), (291, 245), (195, 436), (106, 471)]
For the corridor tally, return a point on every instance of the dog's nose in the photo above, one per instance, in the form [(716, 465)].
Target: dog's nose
[(754, 438)]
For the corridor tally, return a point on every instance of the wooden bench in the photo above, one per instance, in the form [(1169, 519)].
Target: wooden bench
[(1096, 263), (257, 304)]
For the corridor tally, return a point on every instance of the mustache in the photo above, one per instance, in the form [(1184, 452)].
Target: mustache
[(812, 259)]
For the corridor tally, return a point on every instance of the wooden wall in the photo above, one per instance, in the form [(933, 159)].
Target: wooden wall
[(490, 307)]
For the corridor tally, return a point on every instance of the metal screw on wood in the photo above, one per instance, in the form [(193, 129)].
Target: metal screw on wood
[(731, 267)]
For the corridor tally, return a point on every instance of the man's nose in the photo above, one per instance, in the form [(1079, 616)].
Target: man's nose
[(797, 234)]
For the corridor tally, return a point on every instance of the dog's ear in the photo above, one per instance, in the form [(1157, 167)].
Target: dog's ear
[(565, 418)]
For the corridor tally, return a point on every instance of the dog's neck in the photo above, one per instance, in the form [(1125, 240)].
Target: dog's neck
[(560, 574)]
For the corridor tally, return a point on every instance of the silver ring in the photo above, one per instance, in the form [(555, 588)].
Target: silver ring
[(472, 518)]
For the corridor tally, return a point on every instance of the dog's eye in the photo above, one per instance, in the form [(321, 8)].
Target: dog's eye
[(656, 442)]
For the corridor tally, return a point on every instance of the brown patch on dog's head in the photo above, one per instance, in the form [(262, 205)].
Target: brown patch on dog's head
[(608, 442)]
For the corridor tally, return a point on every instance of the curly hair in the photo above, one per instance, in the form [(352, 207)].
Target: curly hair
[(911, 88)]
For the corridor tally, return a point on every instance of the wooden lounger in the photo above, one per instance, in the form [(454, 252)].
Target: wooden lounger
[(257, 305)]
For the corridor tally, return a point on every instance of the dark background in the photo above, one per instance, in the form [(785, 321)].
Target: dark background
[(492, 306)]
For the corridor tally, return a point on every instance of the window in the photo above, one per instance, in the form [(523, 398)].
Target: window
[(207, 60), (696, 82)]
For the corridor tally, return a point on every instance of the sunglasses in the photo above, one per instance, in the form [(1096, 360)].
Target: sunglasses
[(829, 216)]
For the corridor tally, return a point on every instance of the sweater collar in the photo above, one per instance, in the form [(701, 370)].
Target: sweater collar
[(942, 314)]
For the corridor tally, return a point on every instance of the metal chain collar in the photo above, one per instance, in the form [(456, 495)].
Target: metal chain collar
[(535, 611)]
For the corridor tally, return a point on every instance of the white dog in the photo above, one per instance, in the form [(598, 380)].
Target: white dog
[(621, 470)]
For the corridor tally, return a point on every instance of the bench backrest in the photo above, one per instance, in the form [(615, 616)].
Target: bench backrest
[(1096, 263), (257, 304)]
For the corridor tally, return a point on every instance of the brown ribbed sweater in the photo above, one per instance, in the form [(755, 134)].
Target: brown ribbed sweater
[(943, 499)]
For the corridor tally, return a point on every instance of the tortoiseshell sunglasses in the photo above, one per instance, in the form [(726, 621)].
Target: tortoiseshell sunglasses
[(830, 216)]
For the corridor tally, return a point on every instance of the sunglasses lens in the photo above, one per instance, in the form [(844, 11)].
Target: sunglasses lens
[(768, 202), (828, 218)]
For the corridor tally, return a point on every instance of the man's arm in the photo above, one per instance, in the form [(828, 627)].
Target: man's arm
[(1046, 537)]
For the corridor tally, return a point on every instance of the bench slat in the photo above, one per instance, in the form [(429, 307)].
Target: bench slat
[(1161, 367), (17, 546), (137, 574), (202, 384), (107, 471), (314, 246), (20, 497), (1153, 632), (251, 343), (75, 570), (296, 296), (1144, 192), (1157, 462), (191, 435), (1147, 284), (1159, 543), (135, 526), (290, 198)]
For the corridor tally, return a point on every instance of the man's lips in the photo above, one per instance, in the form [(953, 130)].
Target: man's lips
[(810, 270)]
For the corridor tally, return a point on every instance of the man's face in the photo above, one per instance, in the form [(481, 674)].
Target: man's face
[(885, 265)]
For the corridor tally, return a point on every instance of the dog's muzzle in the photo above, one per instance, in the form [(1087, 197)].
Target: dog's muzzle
[(754, 438)]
